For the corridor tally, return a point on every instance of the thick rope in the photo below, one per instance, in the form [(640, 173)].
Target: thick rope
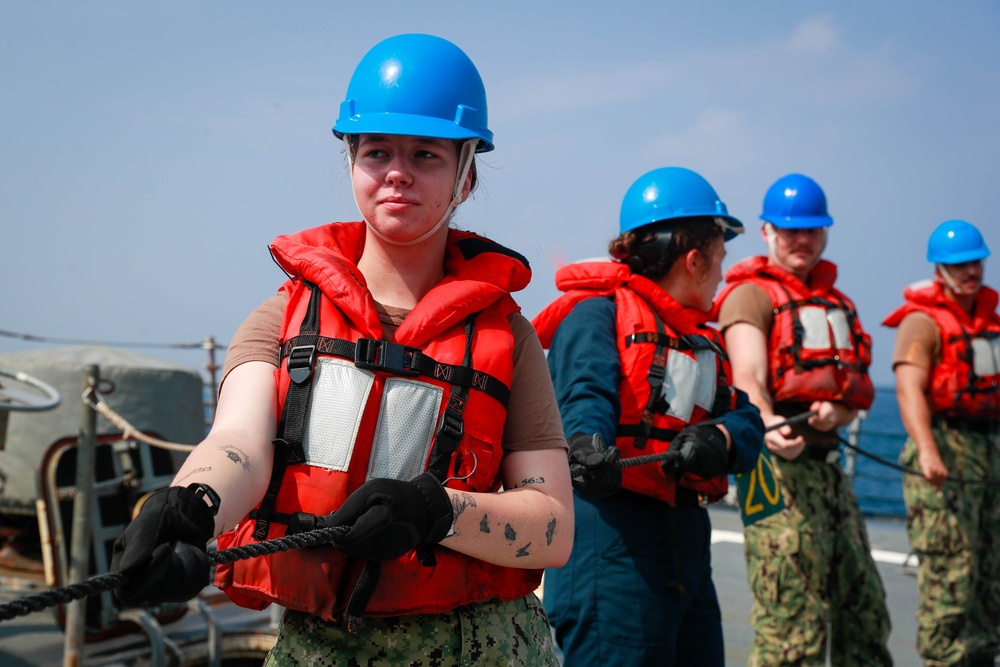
[(988, 481), (112, 580), (663, 456), (658, 458)]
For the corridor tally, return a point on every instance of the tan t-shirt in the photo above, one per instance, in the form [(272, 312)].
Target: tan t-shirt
[(533, 420), (747, 303), (918, 342), (750, 304)]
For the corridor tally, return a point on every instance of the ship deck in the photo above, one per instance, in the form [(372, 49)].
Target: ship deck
[(36, 640)]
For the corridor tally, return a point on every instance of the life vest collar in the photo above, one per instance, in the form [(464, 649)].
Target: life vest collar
[(821, 278), (931, 293), (477, 271), (603, 277)]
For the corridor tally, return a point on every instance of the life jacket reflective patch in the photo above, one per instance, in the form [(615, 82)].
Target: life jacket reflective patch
[(823, 329), (985, 356), (404, 434), (332, 425), (689, 382)]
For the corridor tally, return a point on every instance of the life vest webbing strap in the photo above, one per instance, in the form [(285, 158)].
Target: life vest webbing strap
[(448, 436), (798, 330), (364, 588), (693, 343), (808, 301), (657, 372), (688, 343), (967, 355), (817, 363), (852, 324), (452, 426), (288, 445), (381, 355)]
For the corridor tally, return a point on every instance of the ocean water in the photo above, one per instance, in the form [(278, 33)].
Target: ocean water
[(878, 487)]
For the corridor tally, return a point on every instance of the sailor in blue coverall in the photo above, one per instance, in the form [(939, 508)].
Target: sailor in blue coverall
[(638, 589)]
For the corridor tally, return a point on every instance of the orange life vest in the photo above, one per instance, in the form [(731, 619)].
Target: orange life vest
[(966, 383), (674, 371), (432, 398), (817, 347)]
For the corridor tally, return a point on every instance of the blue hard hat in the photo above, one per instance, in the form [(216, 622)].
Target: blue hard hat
[(955, 242), (796, 202), (674, 192), (417, 85)]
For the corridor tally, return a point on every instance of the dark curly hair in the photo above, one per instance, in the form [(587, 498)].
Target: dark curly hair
[(651, 250)]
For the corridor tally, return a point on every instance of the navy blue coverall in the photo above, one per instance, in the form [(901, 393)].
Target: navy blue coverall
[(637, 589)]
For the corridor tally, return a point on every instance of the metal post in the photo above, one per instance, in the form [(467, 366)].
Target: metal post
[(79, 555), (853, 437), (212, 387)]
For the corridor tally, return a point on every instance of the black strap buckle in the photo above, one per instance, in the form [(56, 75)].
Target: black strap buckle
[(301, 362), (205, 491), (452, 426), (381, 355)]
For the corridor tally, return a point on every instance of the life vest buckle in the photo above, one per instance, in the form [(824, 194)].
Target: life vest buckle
[(381, 355), (301, 362)]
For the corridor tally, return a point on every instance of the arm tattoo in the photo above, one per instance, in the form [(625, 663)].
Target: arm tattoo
[(236, 455), (523, 551), (550, 531), (484, 524), (532, 480), (462, 502), (196, 470), (509, 533)]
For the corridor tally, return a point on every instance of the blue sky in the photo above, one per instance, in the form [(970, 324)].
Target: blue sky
[(151, 151)]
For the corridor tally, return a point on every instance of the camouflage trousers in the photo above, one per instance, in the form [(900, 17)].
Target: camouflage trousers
[(812, 576), (956, 536), (514, 634)]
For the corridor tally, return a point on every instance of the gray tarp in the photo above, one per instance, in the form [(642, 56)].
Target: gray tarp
[(157, 397)]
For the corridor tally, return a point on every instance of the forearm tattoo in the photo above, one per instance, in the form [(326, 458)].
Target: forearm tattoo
[(196, 470), (550, 532), (509, 533), (462, 502), (484, 524), (236, 455)]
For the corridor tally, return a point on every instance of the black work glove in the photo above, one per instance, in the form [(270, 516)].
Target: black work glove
[(162, 552), (699, 449), (388, 517), (593, 466)]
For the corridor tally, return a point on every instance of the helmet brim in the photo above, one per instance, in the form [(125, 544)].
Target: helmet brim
[(798, 222), (959, 257), (409, 125)]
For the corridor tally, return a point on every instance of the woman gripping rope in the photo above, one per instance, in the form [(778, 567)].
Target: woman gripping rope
[(402, 390)]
